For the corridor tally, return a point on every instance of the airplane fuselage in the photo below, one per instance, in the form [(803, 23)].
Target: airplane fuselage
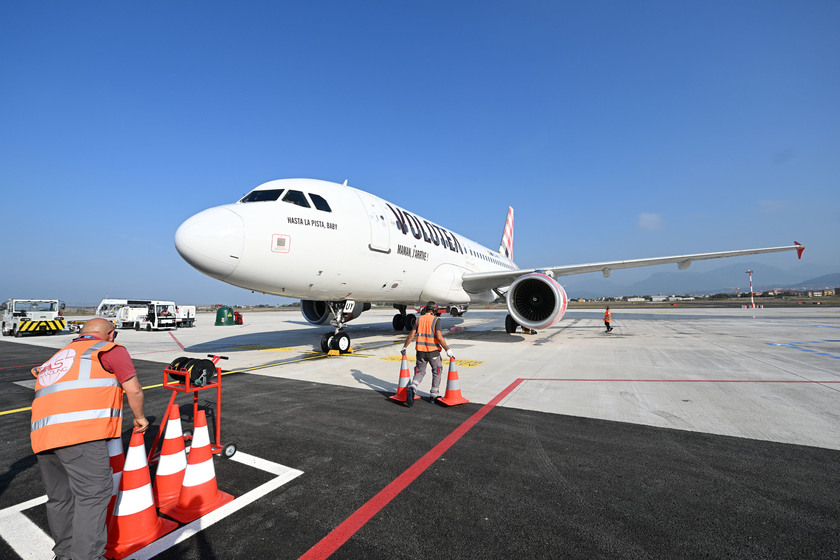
[(317, 240)]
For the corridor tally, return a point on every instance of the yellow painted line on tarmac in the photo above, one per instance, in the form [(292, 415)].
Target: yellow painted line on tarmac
[(412, 359), (5, 412)]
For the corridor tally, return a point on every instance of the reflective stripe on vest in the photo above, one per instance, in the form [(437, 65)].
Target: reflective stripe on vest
[(426, 327), (76, 398)]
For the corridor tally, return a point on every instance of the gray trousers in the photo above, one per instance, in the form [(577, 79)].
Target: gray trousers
[(79, 483), (432, 358)]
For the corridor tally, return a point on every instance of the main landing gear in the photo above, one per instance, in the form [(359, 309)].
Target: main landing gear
[(402, 321), (338, 340)]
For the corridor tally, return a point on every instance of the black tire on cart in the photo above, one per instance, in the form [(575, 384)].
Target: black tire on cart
[(201, 372), (229, 450), (137, 326)]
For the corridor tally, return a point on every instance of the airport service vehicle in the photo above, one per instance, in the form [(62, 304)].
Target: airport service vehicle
[(32, 316), (108, 308), (184, 315), (130, 316), (159, 315), (337, 248)]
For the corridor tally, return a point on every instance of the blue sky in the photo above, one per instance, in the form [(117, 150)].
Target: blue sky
[(615, 129)]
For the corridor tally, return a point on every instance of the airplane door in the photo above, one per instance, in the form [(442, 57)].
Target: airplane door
[(380, 236)]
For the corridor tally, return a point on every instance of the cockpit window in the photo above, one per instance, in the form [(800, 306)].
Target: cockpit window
[(263, 196), (320, 203), (296, 197)]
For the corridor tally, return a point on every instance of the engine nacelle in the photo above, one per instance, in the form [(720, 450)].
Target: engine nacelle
[(536, 300), (315, 312), (319, 312)]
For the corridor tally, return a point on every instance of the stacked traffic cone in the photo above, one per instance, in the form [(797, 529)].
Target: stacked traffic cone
[(117, 458), (135, 523), (453, 387), (405, 377), (173, 461), (199, 494)]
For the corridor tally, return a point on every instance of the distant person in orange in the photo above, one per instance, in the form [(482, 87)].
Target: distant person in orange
[(608, 319), (77, 408), (428, 347)]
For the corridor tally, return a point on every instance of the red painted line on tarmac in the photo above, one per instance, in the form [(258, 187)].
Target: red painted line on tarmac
[(178, 342), (350, 526), (357, 520), (20, 366)]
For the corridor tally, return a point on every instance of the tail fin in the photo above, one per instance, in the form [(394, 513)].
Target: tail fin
[(506, 248)]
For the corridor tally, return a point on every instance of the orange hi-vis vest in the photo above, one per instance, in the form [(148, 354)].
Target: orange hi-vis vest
[(426, 327), (76, 399), (608, 316)]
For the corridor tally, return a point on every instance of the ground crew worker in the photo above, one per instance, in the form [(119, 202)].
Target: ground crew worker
[(428, 346), (77, 407), (607, 319)]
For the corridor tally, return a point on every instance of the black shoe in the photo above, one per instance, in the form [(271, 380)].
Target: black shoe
[(409, 396), (433, 399)]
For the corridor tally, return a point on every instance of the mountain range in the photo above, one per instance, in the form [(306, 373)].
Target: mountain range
[(730, 278)]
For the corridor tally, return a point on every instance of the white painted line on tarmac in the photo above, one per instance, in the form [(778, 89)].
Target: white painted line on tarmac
[(32, 543), (25, 538)]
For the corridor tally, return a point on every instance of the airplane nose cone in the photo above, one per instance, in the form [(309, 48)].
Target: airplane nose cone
[(212, 241)]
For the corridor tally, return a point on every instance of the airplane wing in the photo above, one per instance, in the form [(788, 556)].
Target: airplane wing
[(481, 281)]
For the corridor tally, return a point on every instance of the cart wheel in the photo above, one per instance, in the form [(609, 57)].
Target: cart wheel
[(229, 450), (187, 434)]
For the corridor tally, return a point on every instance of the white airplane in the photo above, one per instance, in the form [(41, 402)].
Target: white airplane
[(338, 248)]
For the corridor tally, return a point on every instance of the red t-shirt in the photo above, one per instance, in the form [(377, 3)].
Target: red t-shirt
[(117, 361)]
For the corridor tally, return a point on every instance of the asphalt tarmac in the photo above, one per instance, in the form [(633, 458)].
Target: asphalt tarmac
[(679, 435)]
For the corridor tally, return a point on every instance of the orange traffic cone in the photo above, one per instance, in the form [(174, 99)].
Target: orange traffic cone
[(117, 458), (173, 461), (405, 377), (135, 523), (199, 494), (453, 387)]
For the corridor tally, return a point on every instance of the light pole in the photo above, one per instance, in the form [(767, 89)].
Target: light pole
[(752, 301)]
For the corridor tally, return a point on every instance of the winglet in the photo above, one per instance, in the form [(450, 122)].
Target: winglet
[(799, 248)]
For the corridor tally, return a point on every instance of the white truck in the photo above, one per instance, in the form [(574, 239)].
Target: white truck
[(129, 317), (32, 316), (159, 315), (184, 315), (108, 308)]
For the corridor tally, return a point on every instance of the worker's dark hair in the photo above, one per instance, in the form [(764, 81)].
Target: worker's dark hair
[(430, 307)]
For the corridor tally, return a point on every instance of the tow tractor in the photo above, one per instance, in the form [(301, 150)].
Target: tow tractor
[(32, 316)]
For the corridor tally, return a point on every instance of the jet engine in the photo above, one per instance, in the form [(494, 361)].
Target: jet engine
[(316, 312), (536, 300), (319, 312)]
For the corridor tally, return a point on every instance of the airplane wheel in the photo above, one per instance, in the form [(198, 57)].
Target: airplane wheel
[(341, 342), (410, 322), (398, 322), (510, 325), (326, 342)]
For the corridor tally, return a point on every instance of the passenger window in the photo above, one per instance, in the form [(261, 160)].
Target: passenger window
[(296, 197), (263, 196), (320, 203)]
